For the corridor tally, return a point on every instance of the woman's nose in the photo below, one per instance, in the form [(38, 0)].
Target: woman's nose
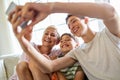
[(48, 35)]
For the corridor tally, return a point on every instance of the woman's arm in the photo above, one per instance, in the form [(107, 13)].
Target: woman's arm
[(46, 65)]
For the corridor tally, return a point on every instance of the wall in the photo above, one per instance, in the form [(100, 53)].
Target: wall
[(8, 43)]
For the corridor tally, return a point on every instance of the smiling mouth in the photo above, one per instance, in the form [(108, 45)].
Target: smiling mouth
[(47, 40), (64, 46), (75, 30)]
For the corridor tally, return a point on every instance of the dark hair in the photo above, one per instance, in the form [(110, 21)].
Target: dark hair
[(69, 15), (70, 35)]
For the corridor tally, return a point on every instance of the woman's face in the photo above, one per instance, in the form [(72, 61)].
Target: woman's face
[(67, 43), (76, 25), (50, 37)]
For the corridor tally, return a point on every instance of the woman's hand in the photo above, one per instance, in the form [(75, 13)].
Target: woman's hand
[(15, 19), (36, 12)]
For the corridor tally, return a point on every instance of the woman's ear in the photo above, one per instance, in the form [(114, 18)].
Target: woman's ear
[(86, 20)]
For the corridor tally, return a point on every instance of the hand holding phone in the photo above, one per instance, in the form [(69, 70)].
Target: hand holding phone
[(10, 8)]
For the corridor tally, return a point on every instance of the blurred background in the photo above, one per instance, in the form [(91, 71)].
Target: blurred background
[(8, 42)]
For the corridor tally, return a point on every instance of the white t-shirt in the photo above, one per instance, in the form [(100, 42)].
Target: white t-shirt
[(100, 58)]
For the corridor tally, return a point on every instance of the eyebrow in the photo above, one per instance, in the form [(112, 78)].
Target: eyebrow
[(71, 20)]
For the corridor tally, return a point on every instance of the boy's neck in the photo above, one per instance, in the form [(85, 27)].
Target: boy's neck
[(89, 35)]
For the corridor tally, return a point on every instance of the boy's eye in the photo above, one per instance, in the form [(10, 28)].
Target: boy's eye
[(61, 41), (74, 21), (68, 40)]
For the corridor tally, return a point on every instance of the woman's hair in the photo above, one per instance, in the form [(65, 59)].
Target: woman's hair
[(70, 35)]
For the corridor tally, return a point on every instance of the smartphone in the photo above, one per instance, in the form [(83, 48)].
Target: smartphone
[(10, 8)]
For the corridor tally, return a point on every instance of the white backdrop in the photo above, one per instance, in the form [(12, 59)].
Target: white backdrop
[(8, 43)]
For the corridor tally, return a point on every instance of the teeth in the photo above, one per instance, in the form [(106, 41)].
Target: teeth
[(65, 46), (75, 30), (47, 40)]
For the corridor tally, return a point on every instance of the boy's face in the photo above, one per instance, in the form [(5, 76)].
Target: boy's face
[(76, 25), (67, 43)]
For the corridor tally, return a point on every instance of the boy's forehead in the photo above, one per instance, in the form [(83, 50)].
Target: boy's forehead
[(72, 18), (66, 37)]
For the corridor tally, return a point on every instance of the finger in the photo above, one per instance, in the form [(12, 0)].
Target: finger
[(38, 19), (29, 29), (28, 32), (11, 15), (18, 8), (16, 17), (27, 12), (16, 25)]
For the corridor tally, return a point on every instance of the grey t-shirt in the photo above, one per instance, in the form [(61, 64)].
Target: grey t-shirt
[(100, 58)]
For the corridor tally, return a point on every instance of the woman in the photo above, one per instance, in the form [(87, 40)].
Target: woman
[(26, 66)]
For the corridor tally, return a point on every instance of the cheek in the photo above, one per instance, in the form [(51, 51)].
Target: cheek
[(71, 31), (54, 40), (73, 45), (70, 45), (42, 38)]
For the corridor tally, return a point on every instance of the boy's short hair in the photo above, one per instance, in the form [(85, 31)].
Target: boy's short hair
[(69, 15), (72, 36)]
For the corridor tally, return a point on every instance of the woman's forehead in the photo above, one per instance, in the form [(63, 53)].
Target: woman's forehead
[(50, 30)]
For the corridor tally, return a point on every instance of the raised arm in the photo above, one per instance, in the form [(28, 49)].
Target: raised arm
[(23, 35), (102, 11), (46, 65)]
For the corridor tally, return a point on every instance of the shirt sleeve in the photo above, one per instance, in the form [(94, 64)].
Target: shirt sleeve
[(71, 54)]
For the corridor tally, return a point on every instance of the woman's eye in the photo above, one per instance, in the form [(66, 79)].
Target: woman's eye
[(53, 35), (46, 33)]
